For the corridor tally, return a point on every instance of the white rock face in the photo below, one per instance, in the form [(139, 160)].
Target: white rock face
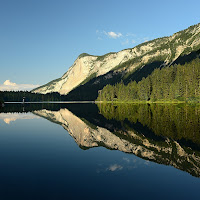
[(85, 66), (88, 137)]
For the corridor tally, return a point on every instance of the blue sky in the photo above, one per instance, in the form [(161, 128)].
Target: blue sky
[(40, 39)]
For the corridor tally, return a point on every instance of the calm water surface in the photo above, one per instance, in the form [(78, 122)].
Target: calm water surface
[(88, 151)]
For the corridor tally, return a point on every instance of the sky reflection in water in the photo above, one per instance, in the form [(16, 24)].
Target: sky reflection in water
[(41, 159)]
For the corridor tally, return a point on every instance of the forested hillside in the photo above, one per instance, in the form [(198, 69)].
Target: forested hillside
[(177, 82)]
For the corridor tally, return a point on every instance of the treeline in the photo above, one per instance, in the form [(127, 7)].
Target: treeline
[(1, 99), (17, 96), (180, 82)]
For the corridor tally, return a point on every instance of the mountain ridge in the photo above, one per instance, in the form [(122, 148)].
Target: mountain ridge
[(162, 51)]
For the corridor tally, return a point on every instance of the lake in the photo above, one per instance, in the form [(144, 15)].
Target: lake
[(104, 151)]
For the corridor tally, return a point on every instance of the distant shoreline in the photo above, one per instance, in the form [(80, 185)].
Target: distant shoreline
[(104, 102), (49, 102)]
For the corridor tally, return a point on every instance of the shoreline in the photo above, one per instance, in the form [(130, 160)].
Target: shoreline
[(41, 102), (104, 102)]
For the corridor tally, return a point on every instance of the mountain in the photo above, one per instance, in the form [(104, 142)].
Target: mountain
[(91, 73), (96, 130)]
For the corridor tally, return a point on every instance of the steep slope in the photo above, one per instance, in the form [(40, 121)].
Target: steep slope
[(95, 71)]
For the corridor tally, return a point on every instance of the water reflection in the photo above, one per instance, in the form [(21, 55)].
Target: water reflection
[(165, 134), (178, 122), (11, 117), (124, 164)]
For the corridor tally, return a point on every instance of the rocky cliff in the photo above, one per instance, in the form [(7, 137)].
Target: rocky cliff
[(159, 52), (87, 135)]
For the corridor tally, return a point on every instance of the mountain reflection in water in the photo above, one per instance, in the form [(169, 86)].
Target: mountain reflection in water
[(165, 134)]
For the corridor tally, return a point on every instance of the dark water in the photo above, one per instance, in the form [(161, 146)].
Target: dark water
[(88, 151)]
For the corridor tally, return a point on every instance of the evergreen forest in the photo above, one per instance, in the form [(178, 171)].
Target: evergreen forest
[(17, 96), (172, 83)]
